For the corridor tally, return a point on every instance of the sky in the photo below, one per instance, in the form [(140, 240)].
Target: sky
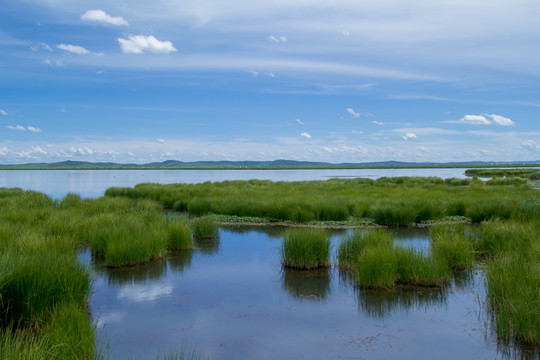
[(337, 81)]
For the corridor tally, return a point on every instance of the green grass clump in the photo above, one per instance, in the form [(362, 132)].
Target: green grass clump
[(32, 286), (386, 267), (417, 269), (452, 247), (180, 237), (205, 227), (306, 248), (351, 248), (377, 268)]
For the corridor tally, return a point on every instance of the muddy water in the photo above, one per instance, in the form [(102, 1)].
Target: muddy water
[(230, 299)]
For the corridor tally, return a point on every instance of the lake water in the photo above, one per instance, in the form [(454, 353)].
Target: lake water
[(93, 183), (231, 299)]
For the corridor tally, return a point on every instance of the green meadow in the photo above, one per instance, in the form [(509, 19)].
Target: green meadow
[(44, 289)]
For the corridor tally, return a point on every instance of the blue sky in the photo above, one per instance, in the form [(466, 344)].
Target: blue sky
[(337, 81)]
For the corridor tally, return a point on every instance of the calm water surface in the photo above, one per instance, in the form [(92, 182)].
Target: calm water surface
[(93, 183), (230, 299)]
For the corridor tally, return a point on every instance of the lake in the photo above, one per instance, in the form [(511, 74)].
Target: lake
[(93, 183), (231, 299)]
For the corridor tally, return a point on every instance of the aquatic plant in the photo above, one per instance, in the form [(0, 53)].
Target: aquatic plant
[(450, 246), (306, 248), (351, 248), (205, 227), (180, 237)]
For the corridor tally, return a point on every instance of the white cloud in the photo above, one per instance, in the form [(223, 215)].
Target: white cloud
[(33, 129), (346, 32), (275, 39), (501, 120), (41, 46), (475, 120), (269, 74), (3, 151), (377, 122), (299, 121), (139, 44), (353, 113), (74, 49), (22, 128), (3, 112), (409, 136), (53, 62), (103, 17), (161, 141), (485, 120), (254, 73), (306, 135), (17, 127), (530, 145)]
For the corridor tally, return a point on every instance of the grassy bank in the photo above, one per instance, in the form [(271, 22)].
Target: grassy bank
[(401, 201)]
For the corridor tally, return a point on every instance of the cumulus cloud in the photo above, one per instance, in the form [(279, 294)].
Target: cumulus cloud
[(139, 44), (486, 120), (306, 135), (409, 136), (269, 75), (102, 17), (3, 112), (3, 151), (299, 121), (74, 49), (161, 141), (530, 145), (377, 122), (501, 120)]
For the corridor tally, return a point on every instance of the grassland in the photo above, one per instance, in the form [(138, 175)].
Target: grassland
[(44, 289)]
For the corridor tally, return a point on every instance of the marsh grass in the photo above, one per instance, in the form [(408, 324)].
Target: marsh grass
[(31, 287), (205, 227), (450, 246), (401, 201), (352, 247), (306, 248), (386, 267), (180, 236)]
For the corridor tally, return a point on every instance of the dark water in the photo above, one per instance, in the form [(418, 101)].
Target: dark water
[(93, 183), (230, 299)]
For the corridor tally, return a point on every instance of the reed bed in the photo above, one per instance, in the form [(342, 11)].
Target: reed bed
[(306, 248)]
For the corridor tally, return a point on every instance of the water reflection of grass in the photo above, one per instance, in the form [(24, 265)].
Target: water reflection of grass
[(307, 284), (380, 304)]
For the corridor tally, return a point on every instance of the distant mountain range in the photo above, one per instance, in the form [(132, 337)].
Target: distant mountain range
[(275, 164)]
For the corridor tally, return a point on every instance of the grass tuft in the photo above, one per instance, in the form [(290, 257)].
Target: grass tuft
[(306, 248)]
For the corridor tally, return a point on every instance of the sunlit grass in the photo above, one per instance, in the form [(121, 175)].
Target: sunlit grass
[(306, 248)]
